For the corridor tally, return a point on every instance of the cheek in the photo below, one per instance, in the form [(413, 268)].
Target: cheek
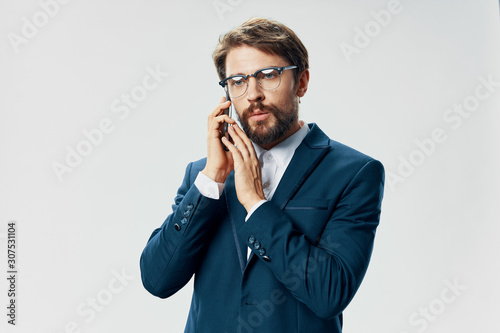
[(282, 97)]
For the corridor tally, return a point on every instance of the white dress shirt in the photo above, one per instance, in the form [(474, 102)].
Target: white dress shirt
[(273, 163)]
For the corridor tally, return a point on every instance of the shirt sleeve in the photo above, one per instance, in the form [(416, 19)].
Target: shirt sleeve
[(254, 208), (208, 187)]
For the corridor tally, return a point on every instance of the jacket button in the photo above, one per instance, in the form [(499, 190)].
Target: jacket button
[(190, 206), (266, 258), (187, 213), (184, 220), (256, 245), (262, 251), (177, 227), (251, 239)]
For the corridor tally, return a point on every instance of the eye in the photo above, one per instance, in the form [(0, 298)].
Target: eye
[(237, 81), (269, 74)]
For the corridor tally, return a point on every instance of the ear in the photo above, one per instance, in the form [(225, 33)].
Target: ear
[(303, 83)]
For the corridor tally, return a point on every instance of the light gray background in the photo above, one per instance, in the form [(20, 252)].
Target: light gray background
[(438, 226)]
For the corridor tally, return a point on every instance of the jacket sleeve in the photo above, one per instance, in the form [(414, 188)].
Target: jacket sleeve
[(324, 276), (172, 252)]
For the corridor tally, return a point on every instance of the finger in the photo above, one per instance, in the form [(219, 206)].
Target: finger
[(234, 151), (223, 107), (224, 118), (216, 123), (245, 140), (239, 143), (220, 108), (217, 111)]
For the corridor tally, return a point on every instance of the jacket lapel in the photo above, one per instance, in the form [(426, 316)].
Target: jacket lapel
[(307, 155)]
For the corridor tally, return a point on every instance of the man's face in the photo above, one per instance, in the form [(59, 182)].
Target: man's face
[(267, 116)]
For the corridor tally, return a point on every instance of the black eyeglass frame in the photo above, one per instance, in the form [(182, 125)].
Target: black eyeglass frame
[(223, 83)]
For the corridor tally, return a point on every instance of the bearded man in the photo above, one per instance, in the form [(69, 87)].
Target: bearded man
[(277, 223)]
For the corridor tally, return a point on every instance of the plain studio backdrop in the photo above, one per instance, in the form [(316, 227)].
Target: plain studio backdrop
[(103, 104)]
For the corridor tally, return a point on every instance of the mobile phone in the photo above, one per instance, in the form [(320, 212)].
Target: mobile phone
[(225, 126)]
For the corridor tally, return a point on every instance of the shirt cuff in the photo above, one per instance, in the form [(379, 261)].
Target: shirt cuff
[(254, 208), (208, 187)]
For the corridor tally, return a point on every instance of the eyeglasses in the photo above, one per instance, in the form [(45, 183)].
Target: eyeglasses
[(267, 78)]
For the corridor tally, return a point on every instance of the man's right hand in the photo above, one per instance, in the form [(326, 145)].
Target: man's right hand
[(219, 162)]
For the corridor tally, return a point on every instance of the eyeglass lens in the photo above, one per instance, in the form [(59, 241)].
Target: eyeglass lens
[(266, 79)]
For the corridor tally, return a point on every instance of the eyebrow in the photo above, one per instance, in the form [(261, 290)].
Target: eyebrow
[(242, 74)]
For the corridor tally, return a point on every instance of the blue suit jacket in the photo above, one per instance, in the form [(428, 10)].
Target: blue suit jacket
[(311, 245)]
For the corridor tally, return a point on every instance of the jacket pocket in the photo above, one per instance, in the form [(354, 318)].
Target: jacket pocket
[(307, 204), (309, 216)]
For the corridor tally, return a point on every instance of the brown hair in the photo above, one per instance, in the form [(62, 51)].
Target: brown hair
[(266, 35)]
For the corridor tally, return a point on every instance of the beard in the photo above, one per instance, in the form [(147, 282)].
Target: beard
[(263, 132)]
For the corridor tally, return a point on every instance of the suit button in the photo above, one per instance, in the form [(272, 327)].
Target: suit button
[(177, 227), (184, 220), (251, 239), (266, 258), (187, 213), (190, 206), (262, 251), (256, 245)]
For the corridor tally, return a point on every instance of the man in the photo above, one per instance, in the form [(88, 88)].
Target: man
[(277, 230)]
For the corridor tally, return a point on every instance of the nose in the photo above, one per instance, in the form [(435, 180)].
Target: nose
[(254, 92)]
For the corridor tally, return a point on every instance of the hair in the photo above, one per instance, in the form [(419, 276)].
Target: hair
[(269, 36)]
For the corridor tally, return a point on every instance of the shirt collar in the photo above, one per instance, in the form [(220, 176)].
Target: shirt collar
[(283, 151)]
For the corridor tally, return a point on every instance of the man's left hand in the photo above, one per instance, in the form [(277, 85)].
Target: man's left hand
[(247, 171)]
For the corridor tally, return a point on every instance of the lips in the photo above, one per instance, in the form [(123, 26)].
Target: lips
[(257, 112), (259, 115)]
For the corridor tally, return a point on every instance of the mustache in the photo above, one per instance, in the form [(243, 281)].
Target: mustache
[(257, 106)]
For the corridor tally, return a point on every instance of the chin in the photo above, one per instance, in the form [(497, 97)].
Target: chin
[(262, 128), (267, 123)]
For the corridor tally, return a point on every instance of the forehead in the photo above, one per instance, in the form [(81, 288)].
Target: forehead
[(247, 59)]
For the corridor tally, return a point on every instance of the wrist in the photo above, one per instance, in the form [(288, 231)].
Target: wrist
[(218, 176)]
